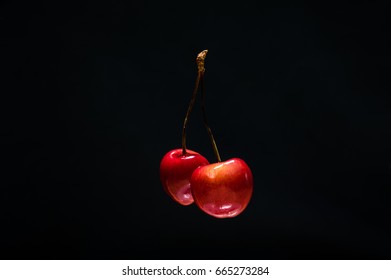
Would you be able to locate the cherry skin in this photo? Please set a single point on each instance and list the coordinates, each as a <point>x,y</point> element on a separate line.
<point>223,189</point>
<point>176,169</point>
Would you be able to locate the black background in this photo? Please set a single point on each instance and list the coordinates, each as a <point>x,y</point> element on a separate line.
<point>93,95</point>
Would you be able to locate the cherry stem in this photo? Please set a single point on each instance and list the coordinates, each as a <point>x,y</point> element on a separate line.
<point>201,56</point>
<point>212,139</point>
<point>200,78</point>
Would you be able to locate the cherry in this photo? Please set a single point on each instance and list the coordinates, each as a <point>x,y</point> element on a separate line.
<point>222,189</point>
<point>177,165</point>
<point>176,169</point>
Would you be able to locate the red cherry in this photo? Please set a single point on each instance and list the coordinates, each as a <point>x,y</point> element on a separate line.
<point>222,189</point>
<point>175,172</point>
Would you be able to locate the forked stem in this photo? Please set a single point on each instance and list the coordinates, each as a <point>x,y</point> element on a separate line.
<point>200,79</point>
<point>201,69</point>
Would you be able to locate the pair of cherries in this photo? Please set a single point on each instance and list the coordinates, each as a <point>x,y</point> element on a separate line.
<point>222,189</point>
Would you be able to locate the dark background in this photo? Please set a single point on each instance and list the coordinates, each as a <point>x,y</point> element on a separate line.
<point>93,95</point>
